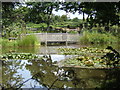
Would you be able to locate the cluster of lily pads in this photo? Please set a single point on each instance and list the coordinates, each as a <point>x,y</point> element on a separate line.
<point>87,57</point>
<point>82,51</point>
<point>85,61</point>
<point>23,56</point>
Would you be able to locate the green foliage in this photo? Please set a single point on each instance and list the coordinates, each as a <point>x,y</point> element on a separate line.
<point>13,30</point>
<point>24,56</point>
<point>29,40</point>
<point>87,62</point>
<point>39,12</point>
<point>73,32</point>
<point>64,24</point>
<point>7,43</point>
<point>88,57</point>
<point>7,13</point>
<point>32,25</point>
<point>64,17</point>
<point>75,19</point>
<point>82,51</point>
<point>98,38</point>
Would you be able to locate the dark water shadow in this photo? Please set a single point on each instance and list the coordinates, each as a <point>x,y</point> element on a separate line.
<point>41,73</point>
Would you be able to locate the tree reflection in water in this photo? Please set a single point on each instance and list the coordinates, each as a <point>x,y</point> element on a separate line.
<point>10,78</point>
<point>49,76</point>
<point>54,77</point>
<point>112,79</point>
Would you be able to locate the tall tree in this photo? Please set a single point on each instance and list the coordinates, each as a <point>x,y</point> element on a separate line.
<point>7,13</point>
<point>43,7</point>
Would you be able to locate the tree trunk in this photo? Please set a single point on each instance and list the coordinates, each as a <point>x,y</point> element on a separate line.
<point>88,18</point>
<point>48,23</point>
<point>83,16</point>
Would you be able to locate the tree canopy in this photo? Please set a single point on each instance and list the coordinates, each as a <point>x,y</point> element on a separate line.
<point>102,13</point>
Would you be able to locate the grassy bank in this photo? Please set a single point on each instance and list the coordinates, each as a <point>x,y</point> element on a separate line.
<point>26,41</point>
<point>98,38</point>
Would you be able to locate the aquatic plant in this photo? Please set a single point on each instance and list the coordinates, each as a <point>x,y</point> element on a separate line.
<point>91,57</point>
<point>23,56</point>
<point>29,40</point>
<point>82,51</point>
<point>88,62</point>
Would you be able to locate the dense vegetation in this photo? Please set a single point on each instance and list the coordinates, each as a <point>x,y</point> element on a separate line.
<point>25,41</point>
<point>102,26</point>
<point>83,51</point>
<point>30,17</point>
<point>41,12</point>
<point>91,57</point>
<point>16,56</point>
<point>98,38</point>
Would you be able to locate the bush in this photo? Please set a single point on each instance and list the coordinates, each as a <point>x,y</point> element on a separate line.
<point>7,43</point>
<point>29,40</point>
<point>32,25</point>
<point>97,38</point>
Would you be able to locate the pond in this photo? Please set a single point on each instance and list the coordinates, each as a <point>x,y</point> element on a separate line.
<point>37,50</point>
<point>51,49</point>
<point>42,72</point>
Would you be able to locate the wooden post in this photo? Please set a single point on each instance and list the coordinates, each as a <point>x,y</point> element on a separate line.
<point>46,43</point>
<point>66,38</point>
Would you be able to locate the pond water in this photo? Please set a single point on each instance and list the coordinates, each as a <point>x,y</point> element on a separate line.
<point>51,49</point>
<point>41,73</point>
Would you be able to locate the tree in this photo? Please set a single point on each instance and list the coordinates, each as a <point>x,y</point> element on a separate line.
<point>102,12</point>
<point>46,8</point>
<point>57,18</point>
<point>64,18</point>
<point>75,19</point>
<point>20,17</point>
<point>7,13</point>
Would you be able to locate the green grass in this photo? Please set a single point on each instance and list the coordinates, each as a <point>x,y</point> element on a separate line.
<point>29,40</point>
<point>98,38</point>
<point>7,43</point>
<point>26,41</point>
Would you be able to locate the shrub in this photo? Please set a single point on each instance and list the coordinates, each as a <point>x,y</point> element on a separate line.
<point>29,40</point>
<point>97,38</point>
<point>7,43</point>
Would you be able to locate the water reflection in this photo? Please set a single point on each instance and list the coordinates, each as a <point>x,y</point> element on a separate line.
<point>52,49</point>
<point>41,73</point>
<point>10,78</point>
<point>33,50</point>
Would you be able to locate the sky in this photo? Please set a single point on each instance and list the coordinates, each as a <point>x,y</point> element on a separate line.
<point>70,15</point>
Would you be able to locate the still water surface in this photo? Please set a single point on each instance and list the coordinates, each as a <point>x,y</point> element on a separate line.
<point>41,73</point>
<point>52,49</point>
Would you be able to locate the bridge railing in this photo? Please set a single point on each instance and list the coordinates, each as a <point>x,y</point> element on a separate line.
<point>57,37</point>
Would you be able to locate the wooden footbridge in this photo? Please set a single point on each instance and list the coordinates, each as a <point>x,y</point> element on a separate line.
<point>57,37</point>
